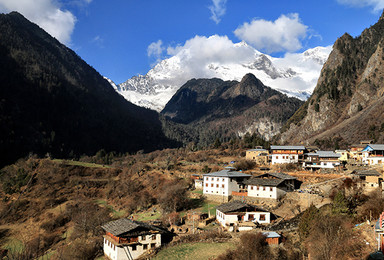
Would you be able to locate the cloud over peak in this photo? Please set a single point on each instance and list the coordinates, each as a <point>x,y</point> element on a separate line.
<point>218,9</point>
<point>283,34</point>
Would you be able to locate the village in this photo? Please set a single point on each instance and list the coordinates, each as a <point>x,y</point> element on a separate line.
<point>268,199</point>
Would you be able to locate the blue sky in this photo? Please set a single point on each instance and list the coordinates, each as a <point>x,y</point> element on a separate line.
<point>123,38</point>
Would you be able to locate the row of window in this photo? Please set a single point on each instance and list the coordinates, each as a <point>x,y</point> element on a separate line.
<point>259,188</point>
<point>285,157</point>
<point>212,179</point>
<point>212,185</point>
<point>108,243</point>
<point>206,191</point>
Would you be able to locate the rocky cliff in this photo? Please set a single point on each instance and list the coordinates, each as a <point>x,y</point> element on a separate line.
<point>219,109</point>
<point>347,104</point>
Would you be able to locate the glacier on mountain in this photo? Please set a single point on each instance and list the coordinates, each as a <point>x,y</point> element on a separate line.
<point>295,74</point>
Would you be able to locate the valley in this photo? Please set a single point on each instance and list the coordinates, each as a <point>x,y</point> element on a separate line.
<point>250,160</point>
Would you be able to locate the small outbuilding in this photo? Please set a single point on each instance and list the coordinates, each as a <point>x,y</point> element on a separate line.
<point>239,216</point>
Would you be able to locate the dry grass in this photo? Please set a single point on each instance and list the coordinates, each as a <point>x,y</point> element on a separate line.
<point>195,251</point>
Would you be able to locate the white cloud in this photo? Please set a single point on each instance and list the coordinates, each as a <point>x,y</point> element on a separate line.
<point>377,5</point>
<point>47,14</point>
<point>218,9</point>
<point>156,49</point>
<point>217,56</point>
<point>284,34</point>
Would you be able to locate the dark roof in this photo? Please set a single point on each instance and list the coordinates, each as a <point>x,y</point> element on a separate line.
<point>279,175</point>
<point>367,173</point>
<point>236,206</point>
<point>263,182</point>
<point>125,225</point>
<point>227,173</point>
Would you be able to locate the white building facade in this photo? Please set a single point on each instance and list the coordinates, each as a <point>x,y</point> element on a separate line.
<point>286,154</point>
<point>240,216</point>
<point>373,154</point>
<point>224,182</point>
<point>126,239</point>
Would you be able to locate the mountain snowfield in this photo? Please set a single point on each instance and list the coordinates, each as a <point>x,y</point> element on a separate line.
<point>294,74</point>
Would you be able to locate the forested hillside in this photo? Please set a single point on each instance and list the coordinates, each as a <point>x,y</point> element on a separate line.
<point>51,101</point>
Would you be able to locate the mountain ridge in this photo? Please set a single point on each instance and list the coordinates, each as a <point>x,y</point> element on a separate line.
<point>51,101</point>
<point>156,88</point>
<point>214,108</point>
<point>346,105</point>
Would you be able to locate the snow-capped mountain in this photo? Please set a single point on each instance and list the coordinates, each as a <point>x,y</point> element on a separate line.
<point>294,74</point>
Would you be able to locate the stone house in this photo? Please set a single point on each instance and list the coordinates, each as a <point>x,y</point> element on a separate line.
<point>370,179</point>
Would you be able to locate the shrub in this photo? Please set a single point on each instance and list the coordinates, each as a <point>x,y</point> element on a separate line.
<point>244,165</point>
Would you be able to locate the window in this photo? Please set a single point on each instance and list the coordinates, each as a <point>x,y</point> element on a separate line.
<point>134,248</point>
<point>153,245</point>
<point>257,188</point>
<point>251,187</point>
<point>212,179</point>
<point>270,189</point>
<point>206,185</point>
<point>262,217</point>
<point>211,184</point>
<point>142,237</point>
<point>263,188</point>
<point>222,185</point>
<point>145,247</point>
<point>218,179</point>
<point>277,157</point>
<point>223,179</point>
<point>153,237</point>
<point>217,185</point>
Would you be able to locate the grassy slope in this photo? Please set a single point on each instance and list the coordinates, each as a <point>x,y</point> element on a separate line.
<point>194,251</point>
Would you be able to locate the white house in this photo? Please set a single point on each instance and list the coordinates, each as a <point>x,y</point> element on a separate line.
<point>239,216</point>
<point>287,154</point>
<point>126,239</point>
<point>223,183</point>
<point>322,160</point>
<point>373,154</point>
<point>271,185</point>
